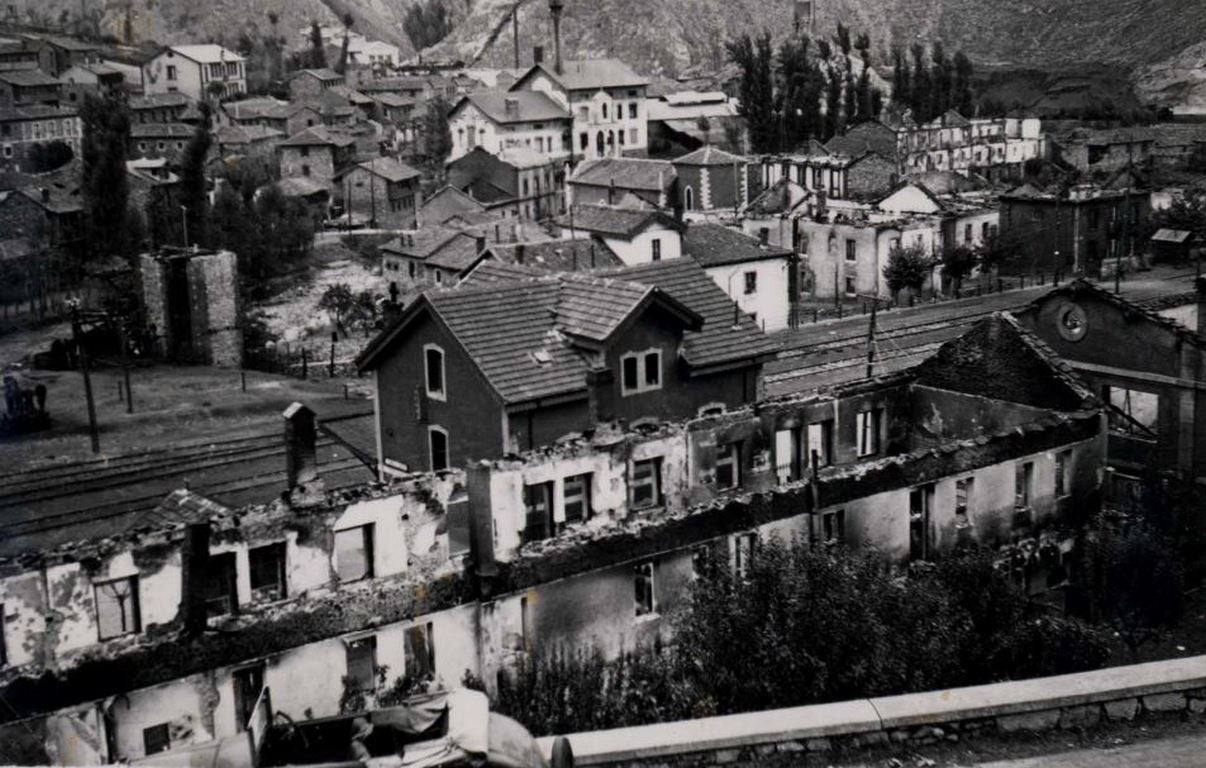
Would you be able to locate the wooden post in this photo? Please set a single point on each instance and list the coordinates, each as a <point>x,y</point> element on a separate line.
<point>331,366</point>
<point>243,381</point>
<point>83,353</point>
<point>305,363</point>
<point>871,342</point>
<point>125,366</point>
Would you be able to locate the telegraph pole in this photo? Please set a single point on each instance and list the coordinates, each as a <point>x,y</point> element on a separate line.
<point>83,351</point>
<point>871,339</point>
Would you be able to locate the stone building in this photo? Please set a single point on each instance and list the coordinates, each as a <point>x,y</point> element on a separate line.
<point>180,636</point>
<point>517,183</point>
<point>382,191</point>
<point>26,134</point>
<point>317,153</point>
<point>192,305</point>
<point>307,83</point>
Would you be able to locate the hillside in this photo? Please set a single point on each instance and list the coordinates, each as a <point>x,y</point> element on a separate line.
<point>667,36</point>
<point>190,21</point>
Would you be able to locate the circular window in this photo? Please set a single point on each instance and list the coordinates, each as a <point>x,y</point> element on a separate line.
<point>1073,322</point>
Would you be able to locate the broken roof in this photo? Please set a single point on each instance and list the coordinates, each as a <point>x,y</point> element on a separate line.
<point>1080,288</point>
<point>614,221</point>
<point>714,245</point>
<point>777,199</point>
<point>625,173</point>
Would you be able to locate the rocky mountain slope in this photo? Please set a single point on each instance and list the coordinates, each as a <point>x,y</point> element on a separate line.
<point>668,36</point>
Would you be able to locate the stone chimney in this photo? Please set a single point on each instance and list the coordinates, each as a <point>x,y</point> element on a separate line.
<point>511,107</point>
<point>480,242</point>
<point>301,455</point>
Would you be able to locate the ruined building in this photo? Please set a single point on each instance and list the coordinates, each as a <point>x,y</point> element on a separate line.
<point>192,305</point>
<point>176,638</point>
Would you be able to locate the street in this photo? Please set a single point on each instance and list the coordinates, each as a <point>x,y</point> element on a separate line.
<point>1180,752</point>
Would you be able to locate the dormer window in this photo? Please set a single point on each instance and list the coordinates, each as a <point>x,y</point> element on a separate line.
<point>433,359</point>
<point>641,371</point>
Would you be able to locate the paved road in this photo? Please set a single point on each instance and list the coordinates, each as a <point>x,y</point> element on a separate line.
<point>1181,752</point>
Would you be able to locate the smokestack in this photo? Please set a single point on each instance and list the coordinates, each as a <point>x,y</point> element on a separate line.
<point>555,7</point>
<point>301,455</point>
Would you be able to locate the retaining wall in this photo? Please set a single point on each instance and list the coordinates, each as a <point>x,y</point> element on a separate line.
<point>781,735</point>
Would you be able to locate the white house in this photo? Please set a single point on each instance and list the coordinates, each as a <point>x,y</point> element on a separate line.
<point>374,54</point>
<point>606,100</point>
<point>635,235</point>
<point>757,276</point>
<point>197,71</point>
<point>499,121</point>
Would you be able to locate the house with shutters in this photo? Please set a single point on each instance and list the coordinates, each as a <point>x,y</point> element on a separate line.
<point>605,99</point>
<point>518,119</point>
<point>636,234</point>
<point>507,363</point>
<point>197,71</point>
<point>383,191</point>
<point>758,277</point>
<point>517,182</point>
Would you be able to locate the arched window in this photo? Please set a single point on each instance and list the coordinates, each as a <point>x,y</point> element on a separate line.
<point>433,363</point>
<point>688,199</point>
<point>599,149</point>
<point>437,439</point>
<point>604,111</point>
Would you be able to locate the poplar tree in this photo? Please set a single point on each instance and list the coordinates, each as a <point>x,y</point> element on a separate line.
<point>963,97</point>
<point>755,57</point>
<point>103,182</point>
<point>318,54</point>
<point>193,182</point>
<point>919,94</point>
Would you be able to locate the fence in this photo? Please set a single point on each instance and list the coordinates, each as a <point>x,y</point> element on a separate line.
<point>301,361</point>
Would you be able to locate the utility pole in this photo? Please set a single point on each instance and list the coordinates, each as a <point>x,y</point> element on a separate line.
<point>125,364</point>
<point>871,339</point>
<point>83,352</point>
<point>184,221</point>
<point>373,190</point>
<point>515,32</point>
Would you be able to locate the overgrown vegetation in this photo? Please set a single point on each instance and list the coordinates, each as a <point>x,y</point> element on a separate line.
<point>907,267</point>
<point>427,23</point>
<point>805,625</point>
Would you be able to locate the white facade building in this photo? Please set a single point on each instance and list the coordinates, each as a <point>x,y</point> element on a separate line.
<point>501,121</point>
<point>197,71</point>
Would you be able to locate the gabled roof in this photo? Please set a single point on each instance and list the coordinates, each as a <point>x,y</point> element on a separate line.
<point>160,131</point>
<point>555,255</point>
<point>1000,359</point>
<point>626,173</point>
<point>710,156</point>
<point>1080,288</point>
<point>1178,236</point>
<point>516,332</point>
<point>453,249</point>
<point>720,341</point>
<point>458,199</point>
<point>776,199</point>
<point>27,78</point>
<point>714,245</point>
<point>325,74</point>
<point>159,101</point>
<point>588,74</point>
<point>867,136</point>
<point>246,134</point>
<point>525,106</point>
<point>613,221</point>
<point>318,135</point>
<point>386,167</point>
<point>206,53</point>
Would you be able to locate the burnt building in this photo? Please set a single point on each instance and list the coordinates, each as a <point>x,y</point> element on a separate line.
<point>1148,369</point>
<point>192,305</point>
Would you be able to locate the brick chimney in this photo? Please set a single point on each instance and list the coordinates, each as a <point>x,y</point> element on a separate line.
<point>301,455</point>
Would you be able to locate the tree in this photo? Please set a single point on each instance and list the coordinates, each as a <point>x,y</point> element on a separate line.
<point>437,136</point>
<point>427,23</point>
<point>866,109</point>
<point>754,58</point>
<point>996,249</point>
<point>797,94</point>
<point>103,183</point>
<point>193,182</point>
<point>940,81</point>
<point>317,53</point>
<point>342,66</point>
<point>833,102</point>
<point>1186,212</point>
<point>338,301</point>
<point>920,92</point>
<point>962,96</point>
<point>1134,580</point>
<point>907,267</point>
<point>49,155</point>
<point>958,263</point>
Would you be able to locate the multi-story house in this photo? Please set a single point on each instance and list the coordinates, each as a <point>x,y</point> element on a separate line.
<point>1106,150</point>
<point>711,183</point>
<point>829,175</point>
<point>497,121</point>
<point>289,117</point>
<point>1073,229</point>
<point>93,77</point>
<point>308,83</point>
<point>637,235</point>
<point>846,257</point>
<point>996,148</point>
<point>517,182</point>
<point>609,180</point>
<point>758,277</point>
<point>495,367</point>
<point>605,100</point>
<point>381,191</point>
<point>27,87</point>
<point>27,132</point>
<point>155,140</point>
<point>159,108</point>
<point>183,636</point>
<point>317,153</point>
<point>435,256</point>
<point>201,72</point>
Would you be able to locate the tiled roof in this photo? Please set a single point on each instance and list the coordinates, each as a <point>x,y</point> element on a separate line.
<point>1082,287</point>
<point>325,74</point>
<point>557,255</point>
<point>159,101</point>
<point>206,53</point>
<point>720,340</point>
<point>523,157</point>
<point>626,173</point>
<point>869,136</point>
<point>160,130</point>
<point>709,155</point>
<point>593,74</point>
<point>1171,236</point>
<point>34,112</point>
<point>299,186</point>
<point>527,106</point>
<point>515,331</point>
<point>27,77</point>
<point>777,198</point>
<point>446,248</point>
<point>246,134</point>
<point>387,168</point>
<point>714,245</point>
<point>610,220</point>
<point>316,136</point>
